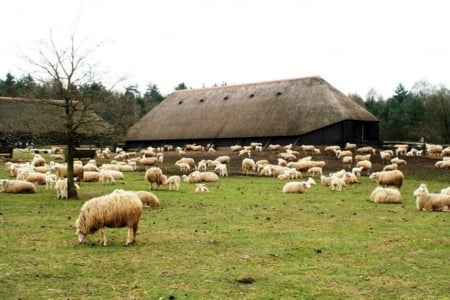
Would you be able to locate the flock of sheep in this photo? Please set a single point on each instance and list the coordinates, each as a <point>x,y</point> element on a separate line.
<point>124,208</point>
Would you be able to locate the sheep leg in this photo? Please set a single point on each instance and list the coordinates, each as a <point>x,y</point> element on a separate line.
<point>104,241</point>
<point>131,235</point>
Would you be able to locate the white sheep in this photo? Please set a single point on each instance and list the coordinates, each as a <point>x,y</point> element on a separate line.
<point>442,164</point>
<point>188,160</point>
<point>154,176</point>
<point>248,166</point>
<point>347,162</point>
<point>117,209</point>
<point>390,167</point>
<point>91,176</point>
<point>366,150</point>
<point>36,178</point>
<point>17,186</point>
<point>197,176</point>
<point>366,165</point>
<point>201,188</point>
<point>386,178</point>
<point>357,171</point>
<point>314,171</point>
<point>148,199</point>
<point>50,180</point>
<point>221,169</point>
<point>398,161</point>
<point>61,188</point>
<point>431,201</point>
<point>173,181</point>
<point>202,166</point>
<point>386,155</point>
<point>224,159</point>
<point>385,195</point>
<point>336,183</point>
<point>297,186</point>
<point>106,176</point>
<point>445,191</point>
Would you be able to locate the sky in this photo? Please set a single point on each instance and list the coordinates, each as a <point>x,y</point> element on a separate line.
<point>355,45</point>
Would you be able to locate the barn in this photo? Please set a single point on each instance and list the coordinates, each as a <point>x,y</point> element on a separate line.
<point>40,122</point>
<point>299,111</point>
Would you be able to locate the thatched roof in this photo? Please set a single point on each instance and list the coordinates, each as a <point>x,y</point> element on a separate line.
<point>19,115</point>
<point>276,108</point>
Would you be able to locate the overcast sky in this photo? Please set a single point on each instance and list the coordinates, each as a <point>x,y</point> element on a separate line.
<point>354,45</point>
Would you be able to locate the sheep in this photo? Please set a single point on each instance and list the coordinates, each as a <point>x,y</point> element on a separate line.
<point>235,148</point>
<point>366,150</point>
<point>431,201</point>
<point>62,189</point>
<point>61,171</point>
<point>197,176</point>
<point>326,180</point>
<point>297,186</point>
<point>17,186</point>
<point>154,176</point>
<point>224,159</point>
<point>386,155</point>
<point>275,147</point>
<point>38,160</point>
<point>282,162</point>
<point>390,167</point>
<point>347,162</point>
<point>190,161</point>
<point>398,161</point>
<point>314,171</point>
<point>332,149</point>
<point>248,165</point>
<point>212,163</point>
<point>308,149</point>
<point>360,157</point>
<point>245,152</point>
<point>434,150</point>
<point>445,191</point>
<point>173,181</point>
<point>202,166</point>
<point>90,167</point>
<point>357,171</point>
<point>149,161</point>
<point>341,153</point>
<point>36,178</point>
<point>350,178</point>
<point>287,156</point>
<point>50,180</point>
<point>336,183</point>
<point>366,165</point>
<point>442,164</point>
<point>117,209</point>
<point>350,146</point>
<point>386,178</point>
<point>401,149</point>
<point>91,176</point>
<point>201,188</point>
<point>106,176</point>
<point>148,199</point>
<point>385,195</point>
<point>221,169</point>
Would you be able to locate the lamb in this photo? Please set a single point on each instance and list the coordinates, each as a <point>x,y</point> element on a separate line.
<point>106,176</point>
<point>224,159</point>
<point>248,165</point>
<point>347,162</point>
<point>336,183</point>
<point>17,186</point>
<point>445,191</point>
<point>431,201</point>
<point>202,166</point>
<point>148,199</point>
<point>118,209</point>
<point>386,178</point>
<point>173,181</point>
<point>154,176</point>
<point>357,171</point>
<point>297,186</point>
<point>221,169</point>
<point>61,188</point>
<point>50,180</point>
<point>385,195</point>
<point>183,166</point>
<point>314,171</point>
<point>201,188</point>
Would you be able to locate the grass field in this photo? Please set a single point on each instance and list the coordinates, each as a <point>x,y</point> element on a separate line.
<point>244,240</point>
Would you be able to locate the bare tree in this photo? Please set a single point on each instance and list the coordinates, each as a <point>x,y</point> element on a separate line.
<point>69,68</point>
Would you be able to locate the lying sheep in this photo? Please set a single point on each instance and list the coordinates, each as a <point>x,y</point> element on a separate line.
<point>201,188</point>
<point>385,195</point>
<point>298,186</point>
<point>431,201</point>
<point>148,199</point>
<point>386,178</point>
<point>91,176</point>
<point>36,178</point>
<point>117,209</point>
<point>197,176</point>
<point>154,176</point>
<point>17,186</point>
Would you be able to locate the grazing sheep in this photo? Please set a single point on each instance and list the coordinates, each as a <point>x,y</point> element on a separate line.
<point>431,201</point>
<point>390,167</point>
<point>118,209</point>
<point>360,157</point>
<point>366,165</point>
<point>91,176</point>
<point>188,160</point>
<point>17,186</point>
<point>398,161</point>
<point>442,164</point>
<point>248,166</point>
<point>341,153</point>
<point>202,166</point>
<point>106,176</point>
<point>434,150</point>
<point>148,199</point>
<point>386,178</point>
<point>50,180</point>
<point>347,162</point>
<point>336,183</point>
<point>224,159</point>
<point>154,176</point>
<point>386,155</point>
<point>201,188</point>
<point>173,181</point>
<point>314,171</point>
<point>385,195</point>
<point>332,149</point>
<point>366,150</point>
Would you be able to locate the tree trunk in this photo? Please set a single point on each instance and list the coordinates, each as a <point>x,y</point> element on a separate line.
<point>71,191</point>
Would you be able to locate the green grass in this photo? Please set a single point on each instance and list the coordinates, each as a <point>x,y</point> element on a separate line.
<point>318,245</point>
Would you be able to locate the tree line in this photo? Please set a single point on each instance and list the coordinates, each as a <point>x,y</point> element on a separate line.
<point>420,114</point>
